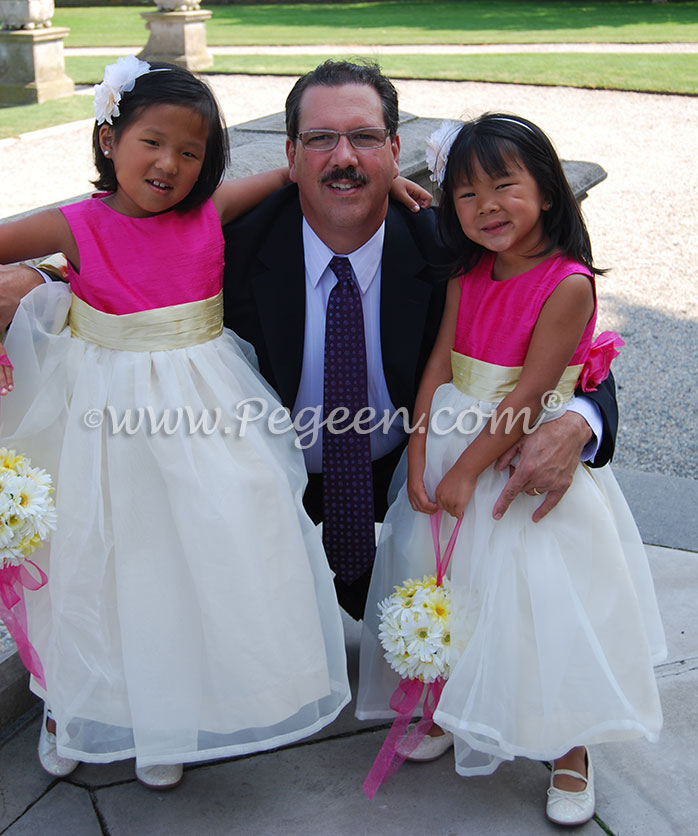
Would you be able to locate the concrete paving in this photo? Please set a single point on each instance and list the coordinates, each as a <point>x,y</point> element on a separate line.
<point>313,788</point>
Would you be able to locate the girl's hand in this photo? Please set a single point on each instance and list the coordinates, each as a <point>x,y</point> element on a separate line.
<point>413,196</point>
<point>417,494</point>
<point>416,464</point>
<point>6,379</point>
<point>454,491</point>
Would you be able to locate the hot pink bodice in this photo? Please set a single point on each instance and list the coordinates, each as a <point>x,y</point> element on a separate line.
<point>136,264</point>
<point>496,319</point>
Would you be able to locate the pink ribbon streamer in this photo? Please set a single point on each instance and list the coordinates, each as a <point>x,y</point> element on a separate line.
<point>442,562</point>
<point>396,747</point>
<point>13,612</point>
<point>404,700</point>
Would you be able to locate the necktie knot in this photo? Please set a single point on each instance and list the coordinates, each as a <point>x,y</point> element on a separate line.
<point>341,267</point>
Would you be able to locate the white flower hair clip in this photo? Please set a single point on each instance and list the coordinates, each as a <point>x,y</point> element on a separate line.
<point>438,147</point>
<point>119,78</point>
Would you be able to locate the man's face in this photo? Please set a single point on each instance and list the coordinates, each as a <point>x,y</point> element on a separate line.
<point>343,192</point>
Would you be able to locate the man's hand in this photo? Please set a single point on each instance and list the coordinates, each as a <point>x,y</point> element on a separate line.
<point>548,458</point>
<point>16,280</point>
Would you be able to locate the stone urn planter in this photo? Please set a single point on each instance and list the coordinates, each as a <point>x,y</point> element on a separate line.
<point>178,5</point>
<point>26,14</point>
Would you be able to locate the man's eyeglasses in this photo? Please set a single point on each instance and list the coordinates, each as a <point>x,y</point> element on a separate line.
<point>362,138</point>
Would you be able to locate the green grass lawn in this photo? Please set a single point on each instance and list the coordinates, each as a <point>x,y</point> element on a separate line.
<point>658,73</point>
<point>19,119</point>
<point>462,21</point>
<point>673,73</point>
<point>398,22</point>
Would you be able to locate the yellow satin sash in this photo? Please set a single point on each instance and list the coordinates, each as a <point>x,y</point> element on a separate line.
<point>492,383</point>
<point>160,329</point>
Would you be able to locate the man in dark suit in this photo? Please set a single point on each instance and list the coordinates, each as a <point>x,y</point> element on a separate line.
<point>343,152</point>
<point>277,282</point>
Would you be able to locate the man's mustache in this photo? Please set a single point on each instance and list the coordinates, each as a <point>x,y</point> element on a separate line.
<point>350,174</point>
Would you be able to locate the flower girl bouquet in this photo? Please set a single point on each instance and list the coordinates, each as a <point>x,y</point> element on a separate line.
<point>415,634</point>
<point>27,516</point>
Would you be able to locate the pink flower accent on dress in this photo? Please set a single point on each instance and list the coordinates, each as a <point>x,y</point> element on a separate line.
<point>598,364</point>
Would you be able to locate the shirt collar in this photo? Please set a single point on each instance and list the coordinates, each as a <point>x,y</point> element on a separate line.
<point>364,262</point>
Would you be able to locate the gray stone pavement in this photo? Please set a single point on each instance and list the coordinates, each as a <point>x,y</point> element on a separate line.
<point>313,788</point>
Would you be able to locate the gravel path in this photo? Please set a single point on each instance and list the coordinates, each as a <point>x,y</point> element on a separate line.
<point>642,219</point>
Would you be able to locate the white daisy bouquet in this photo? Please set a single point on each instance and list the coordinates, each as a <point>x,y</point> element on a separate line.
<point>27,512</point>
<point>27,517</point>
<point>415,629</point>
<point>415,634</point>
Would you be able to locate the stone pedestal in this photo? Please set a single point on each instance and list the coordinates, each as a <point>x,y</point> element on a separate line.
<point>32,66</point>
<point>178,38</point>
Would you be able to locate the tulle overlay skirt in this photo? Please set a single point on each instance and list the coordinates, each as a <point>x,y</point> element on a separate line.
<point>190,612</point>
<point>556,622</point>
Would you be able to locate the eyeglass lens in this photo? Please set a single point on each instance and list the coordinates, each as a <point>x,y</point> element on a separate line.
<point>361,138</point>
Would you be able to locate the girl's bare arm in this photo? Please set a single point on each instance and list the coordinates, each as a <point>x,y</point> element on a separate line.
<point>436,372</point>
<point>42,233</point>
<point>235,197</point>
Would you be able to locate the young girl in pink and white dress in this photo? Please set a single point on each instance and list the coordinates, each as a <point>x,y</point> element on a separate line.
<point>190,612</point>
<point>555,623</point>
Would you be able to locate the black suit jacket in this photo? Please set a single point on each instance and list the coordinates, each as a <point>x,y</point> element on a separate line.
<point>264,297</point>
<point>264,293</point>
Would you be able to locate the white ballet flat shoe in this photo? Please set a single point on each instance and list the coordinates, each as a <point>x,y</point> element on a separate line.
<point>571,808</point>
<point>431,748</point>
<point>49,758</point>
<point>160,776</point>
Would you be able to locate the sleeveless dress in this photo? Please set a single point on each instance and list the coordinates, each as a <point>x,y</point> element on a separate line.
<point>556,623</point>
<point>190,612</point>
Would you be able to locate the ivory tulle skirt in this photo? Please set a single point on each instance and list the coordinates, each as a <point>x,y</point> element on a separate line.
<point>190,612</point>
<point>556,622</point>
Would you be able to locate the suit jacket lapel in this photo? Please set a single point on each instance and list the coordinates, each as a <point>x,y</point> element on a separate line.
<point>279,291</point>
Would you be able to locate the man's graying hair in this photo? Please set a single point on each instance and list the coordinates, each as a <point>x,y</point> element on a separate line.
<point>335,74</point>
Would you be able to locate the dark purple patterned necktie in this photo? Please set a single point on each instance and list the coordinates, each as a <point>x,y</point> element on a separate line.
<point>347,477</point>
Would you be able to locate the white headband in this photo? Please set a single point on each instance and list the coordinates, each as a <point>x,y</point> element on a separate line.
<point>507,119</point>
